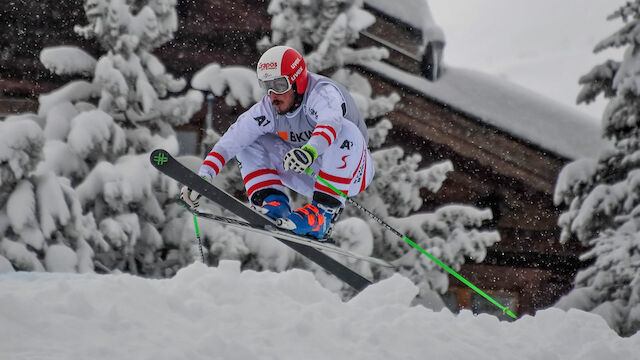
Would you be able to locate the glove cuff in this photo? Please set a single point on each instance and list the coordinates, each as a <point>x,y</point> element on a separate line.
<point>308,148</point>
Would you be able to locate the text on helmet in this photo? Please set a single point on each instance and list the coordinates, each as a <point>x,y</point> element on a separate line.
<point>295,63</point>
<point>268,66</point>
<point>296,74</point>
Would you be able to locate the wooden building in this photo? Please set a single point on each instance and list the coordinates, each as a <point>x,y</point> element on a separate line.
<point>494,167</point>
<point>497,164</point>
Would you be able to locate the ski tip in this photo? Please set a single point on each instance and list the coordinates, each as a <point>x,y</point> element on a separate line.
<point>159,157</point>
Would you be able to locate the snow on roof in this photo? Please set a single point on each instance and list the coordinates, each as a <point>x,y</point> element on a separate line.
<point>410,11</point>
<point>415,13</point>
<point>516,110</point>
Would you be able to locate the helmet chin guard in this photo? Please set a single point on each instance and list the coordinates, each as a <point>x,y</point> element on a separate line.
<point>282,61</point>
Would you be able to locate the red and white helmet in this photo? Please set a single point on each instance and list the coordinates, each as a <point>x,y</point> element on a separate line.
<point>279,68</point>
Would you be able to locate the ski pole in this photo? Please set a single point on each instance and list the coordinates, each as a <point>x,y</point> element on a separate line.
<point>195,224</point>
<point>505,310</point>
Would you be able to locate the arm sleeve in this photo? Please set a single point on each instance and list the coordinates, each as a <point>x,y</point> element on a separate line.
<point>326,106</point>
<point>252,124</point>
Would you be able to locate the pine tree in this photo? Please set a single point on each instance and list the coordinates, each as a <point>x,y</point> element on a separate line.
<point>99,129</point>
<point>42,224</point>
<point>602,193</point>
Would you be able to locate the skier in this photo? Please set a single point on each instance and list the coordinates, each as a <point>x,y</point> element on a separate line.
<point>304,121</point>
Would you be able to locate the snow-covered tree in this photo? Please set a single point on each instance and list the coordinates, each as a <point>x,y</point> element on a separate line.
<point>42,224</point>
<point>602,194</point>
<point>323,31</point>
<point>327,27</point>
<point>98,131</point>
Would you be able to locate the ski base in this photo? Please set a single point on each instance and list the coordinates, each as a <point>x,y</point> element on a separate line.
<point>326,245</point>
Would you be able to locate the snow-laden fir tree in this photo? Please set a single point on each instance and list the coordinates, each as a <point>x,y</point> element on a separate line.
<point>98,130</point>
<point>603,194</point>
<point>42,225</point>
<point>326,29</point>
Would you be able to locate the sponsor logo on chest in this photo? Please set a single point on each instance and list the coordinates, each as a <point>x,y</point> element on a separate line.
<point>298,137</point>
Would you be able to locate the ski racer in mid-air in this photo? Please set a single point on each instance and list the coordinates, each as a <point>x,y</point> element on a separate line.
<point>304,121</point>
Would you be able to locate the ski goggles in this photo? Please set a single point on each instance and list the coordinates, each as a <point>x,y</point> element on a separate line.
<point>279,85</point>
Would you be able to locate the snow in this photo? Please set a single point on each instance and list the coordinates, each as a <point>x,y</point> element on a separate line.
<point>571,177</point>
<point>413,12</point>
<point>507,106</point>
<point>5,265</point>
<point>17,253</point>
<point>241,83</point>
<point>222,313</point>
<point>20,140</point>
<point>58,121</point>
<point>273,255</point>
<point>73,91</point>
<point>60,158</point>
<point>67,60</point>
<point>359,19</point>
<point>21,207</point>
<point>95,129</point>
<point>53,210</point>
<point>61,258</point>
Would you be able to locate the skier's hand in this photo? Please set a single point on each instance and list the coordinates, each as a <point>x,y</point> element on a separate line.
<point>299,159</point>
<point>191,197</point>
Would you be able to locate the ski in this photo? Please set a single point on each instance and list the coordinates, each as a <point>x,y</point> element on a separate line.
<point>168,165</point>
<point>287,235</point>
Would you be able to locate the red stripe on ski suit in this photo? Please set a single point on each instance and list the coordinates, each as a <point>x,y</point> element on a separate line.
<point>212,165</point>
<point>218,156</point>
<point>261,185</point>
<point>257,173</point>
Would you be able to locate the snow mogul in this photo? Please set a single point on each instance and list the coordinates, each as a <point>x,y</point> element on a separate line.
<point>305,120</point>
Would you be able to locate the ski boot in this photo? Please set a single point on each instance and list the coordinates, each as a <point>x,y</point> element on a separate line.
<point>275,206</point>
<point>314,220</point>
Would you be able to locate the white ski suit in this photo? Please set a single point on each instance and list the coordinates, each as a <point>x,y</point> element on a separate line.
<point>327,119</point>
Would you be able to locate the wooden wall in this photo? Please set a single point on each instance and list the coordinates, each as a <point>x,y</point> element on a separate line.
<point>497,171</point>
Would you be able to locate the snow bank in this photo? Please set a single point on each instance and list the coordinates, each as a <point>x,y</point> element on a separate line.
<point>222,313</point>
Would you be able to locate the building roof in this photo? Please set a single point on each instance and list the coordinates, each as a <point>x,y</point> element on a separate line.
<point>516,110</point>
<point>415,13</point>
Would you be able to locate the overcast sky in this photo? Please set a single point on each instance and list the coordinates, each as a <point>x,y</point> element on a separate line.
<point>545,45</point>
